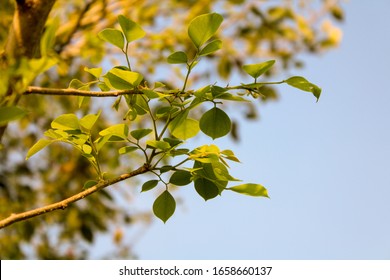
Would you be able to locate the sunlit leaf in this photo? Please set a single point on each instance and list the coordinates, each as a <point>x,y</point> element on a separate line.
<point>66,122</point>
<point>164,206</point>
<point>123,79</point>
<point>211,47</point>
<point>88,121</point>
<point>41,144</point>
<point>96,72</point>
<point>203,27</point>
<point>250,189</point>
<point>120,131</point>
<point>186,129</point>
<point>256,70</point>
<point>113,36</point>
<point>158,144</point>
<point>303,84</point>
<point>131,29</point>
<point>182,127</point>
<point>75,83</point>
<point>178,58</point>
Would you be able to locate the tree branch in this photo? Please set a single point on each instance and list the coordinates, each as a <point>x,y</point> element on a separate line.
<point>77,92</point>
<point>13,218</point>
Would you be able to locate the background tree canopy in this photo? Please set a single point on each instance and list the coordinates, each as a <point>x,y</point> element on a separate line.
<point>251,31</point>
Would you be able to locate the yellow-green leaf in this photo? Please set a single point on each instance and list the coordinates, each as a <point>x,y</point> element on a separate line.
<point>131,29</point>
<point>113,36</point>
<point>41,144</point>
<point>256,70</point>
<point>203,27</point>
<point>250,189</point>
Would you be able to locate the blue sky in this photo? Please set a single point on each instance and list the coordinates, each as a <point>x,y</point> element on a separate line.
<point>326,166</point>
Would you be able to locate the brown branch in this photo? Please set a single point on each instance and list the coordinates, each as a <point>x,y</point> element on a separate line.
<point>75,28</point>
<point>13,218</point>
<point>77,92</point>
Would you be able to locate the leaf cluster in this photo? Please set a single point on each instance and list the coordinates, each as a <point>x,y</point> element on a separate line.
<point>171,113</point>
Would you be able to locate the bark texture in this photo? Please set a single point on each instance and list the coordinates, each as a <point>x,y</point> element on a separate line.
<point>24,39</point>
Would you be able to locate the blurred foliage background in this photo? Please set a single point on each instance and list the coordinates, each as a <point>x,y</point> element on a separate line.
<point>252,31</point>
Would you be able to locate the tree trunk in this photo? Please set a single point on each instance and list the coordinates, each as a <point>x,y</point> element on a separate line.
<point>24,38</point>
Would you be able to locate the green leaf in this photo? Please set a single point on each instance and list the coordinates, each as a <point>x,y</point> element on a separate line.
<point>158,145</point>
<point>303,84</point>
<point>66,122</point>
<point>140,133</point>
<point>183,128</point>
<point>188,128</point>
<point>122,79</point>
<point>256,70</point>
<point>165,111</point>
<point>127,149</point>
<point>113,36</point>
<point>11,113</point>
<point>41,144</point>
<point>96,72</point>
<point>88,121</point>
<point>211,47</point>
<point>87,149</point>
<point>166,168</point>
<point>173,142</point>
<point>77,84</point>
<point>228,154</point>
<point>89,184</point>
<point>206,188</point>
<point>203,27</point>
<point>215,123</point>
<point>178,58</point>
<point>149,185</point>
<point>116,131</point>
<point>207,171</point>
<point>164,206</point>
<point>131,29</point>
<point>250,189</point>
<point>104,87</point>
<point>181,178</point>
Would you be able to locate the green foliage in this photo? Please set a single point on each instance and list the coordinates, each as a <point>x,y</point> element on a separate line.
<point>303,84</point>
<point>131,30</point>
<point>256,70</point>
<point>250,189</point>
<point>283,31</point>
<point>113,36</point>
<point>178,58</point>
<point>164,206</point>
<point>203,27</point>
<point>215,123</point>
<point>209,172</point>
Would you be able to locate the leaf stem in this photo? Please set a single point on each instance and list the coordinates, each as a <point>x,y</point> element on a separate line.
<point>127,56</point>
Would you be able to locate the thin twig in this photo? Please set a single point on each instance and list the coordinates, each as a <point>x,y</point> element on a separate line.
<point>13,218</point>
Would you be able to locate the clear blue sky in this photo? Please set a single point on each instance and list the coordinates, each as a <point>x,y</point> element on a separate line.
<point>326,166</point>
